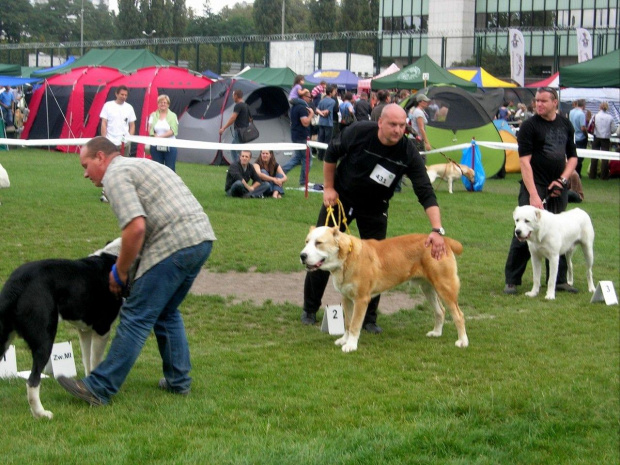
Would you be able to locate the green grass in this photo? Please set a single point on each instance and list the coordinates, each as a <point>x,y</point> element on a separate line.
<point>539,383</point>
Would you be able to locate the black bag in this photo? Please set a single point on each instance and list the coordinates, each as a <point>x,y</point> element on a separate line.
<point>248,134</point>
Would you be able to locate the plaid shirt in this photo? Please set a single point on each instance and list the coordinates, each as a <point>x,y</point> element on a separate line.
<point>174,218</point>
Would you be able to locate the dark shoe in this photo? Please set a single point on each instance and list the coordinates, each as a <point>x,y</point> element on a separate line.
<point>510,289</point>
<point>372,328</point>
<point>163,385</point>
<point>308,318</point>
<point>78,389</point>
<point>565,287</point>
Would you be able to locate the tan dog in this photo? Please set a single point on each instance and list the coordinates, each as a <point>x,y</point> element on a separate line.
<point>362,269</point>
<point>449,172</point>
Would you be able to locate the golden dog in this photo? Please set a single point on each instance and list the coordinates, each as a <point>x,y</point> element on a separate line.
<point>362,269</point>
<point>449,172</point>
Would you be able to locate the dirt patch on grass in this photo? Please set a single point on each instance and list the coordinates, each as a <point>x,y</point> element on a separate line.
<point>281,288</point>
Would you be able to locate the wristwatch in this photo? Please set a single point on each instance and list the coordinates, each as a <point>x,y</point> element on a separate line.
<point>564,181</point>
<point>439,231</point>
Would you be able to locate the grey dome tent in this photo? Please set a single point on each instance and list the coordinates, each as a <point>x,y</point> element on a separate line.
<point>210,110</point>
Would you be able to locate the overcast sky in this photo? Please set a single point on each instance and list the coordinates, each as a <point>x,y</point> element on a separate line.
<point>196,5</point>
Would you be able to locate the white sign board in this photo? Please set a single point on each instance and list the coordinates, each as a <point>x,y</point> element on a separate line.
<point>333,320</point>
<point>8,364</point>
<point>605,292</point>
<point>298,55</point>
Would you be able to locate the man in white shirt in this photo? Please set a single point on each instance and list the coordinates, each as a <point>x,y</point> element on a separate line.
<point>118,117</point>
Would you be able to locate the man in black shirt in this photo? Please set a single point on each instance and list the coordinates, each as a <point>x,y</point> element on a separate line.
<point>362,168</point>
<point>548,157</point>
<point>241,120</point>
<point>362,108</point>
<point>239,176</point>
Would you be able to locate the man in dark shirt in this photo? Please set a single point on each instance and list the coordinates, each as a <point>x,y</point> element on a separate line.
<point>301,117</point>
<point>383,97</point>
<point>239,176</point>
<point>548,157</point>
<point>362,108</point>
<point>362,168</point>
<point>240,119</point>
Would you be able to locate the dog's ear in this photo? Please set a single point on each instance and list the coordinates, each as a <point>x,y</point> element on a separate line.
<point>538,213</point>
<point>336,231</point>
<point>312,228</point>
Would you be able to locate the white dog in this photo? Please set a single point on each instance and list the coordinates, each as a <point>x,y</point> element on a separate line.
<point>449,172</point>
<point>549,236</point>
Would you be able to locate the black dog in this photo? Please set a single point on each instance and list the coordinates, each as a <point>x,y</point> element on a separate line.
<point>38,294</point>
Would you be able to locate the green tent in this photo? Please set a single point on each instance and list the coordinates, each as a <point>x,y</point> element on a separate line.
<point>412,77</point>
<point>603,71</point>
<point>126,61</point>
<point>10,70</point>
<point>281,77</point>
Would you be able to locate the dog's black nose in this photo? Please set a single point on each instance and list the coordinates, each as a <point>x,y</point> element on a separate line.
<point>518,232</point>
<point>303,257</point>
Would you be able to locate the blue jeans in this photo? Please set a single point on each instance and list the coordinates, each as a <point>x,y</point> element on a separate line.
<point>235,140</point>
<point>273,186</point>
<point>298,158</point>
<point>168,158</point>
<point>237,189</point>
<point>153,305</point>
<point>325,136</point>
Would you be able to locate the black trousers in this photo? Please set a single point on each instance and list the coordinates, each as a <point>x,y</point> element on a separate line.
<point>519,253</point>
<point>371,225</point>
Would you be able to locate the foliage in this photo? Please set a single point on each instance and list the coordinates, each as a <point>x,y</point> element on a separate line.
<point>496,62</point>
<point>538,384</point>
<point>130,22</point>
<point>14,19</point>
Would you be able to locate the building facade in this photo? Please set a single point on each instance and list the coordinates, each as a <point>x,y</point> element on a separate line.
<point>456,30</point>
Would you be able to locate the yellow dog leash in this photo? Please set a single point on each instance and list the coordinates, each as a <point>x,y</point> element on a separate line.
<point>342,217</point>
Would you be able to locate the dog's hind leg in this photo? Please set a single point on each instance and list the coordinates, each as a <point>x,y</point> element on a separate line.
<point>97,348</point>
<point>570,277</point>
<point>450,181</point>
<point>85,346</point>
<point>440,312</point>
<point>40,356</point>
<point>588,254</point>
<point>448,292</point>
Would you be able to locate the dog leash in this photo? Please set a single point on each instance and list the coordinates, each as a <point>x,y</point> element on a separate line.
<point>342,217</point>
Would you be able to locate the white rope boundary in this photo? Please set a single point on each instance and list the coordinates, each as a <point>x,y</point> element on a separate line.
<point>276,146</point>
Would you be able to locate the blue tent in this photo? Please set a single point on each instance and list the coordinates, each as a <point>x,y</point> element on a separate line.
<point>343,79</point>
<point>16,81</point>
<point>211,75</point>
<point>43,73</point>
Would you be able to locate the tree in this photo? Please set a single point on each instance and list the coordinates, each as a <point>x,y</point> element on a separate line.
<point>268,16</point>
<point>13,24</point>
<point>179,17</point>
<point>129,23</point>
<point>323,15</point>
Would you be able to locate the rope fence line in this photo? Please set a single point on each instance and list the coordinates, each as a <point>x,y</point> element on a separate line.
<point>275,146</point>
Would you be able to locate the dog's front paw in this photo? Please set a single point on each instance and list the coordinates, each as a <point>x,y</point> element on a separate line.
<point>462,343</point>
<point>349,347</point>
<point>550,296</point>
<point>341,341</point>
<point>433,333</point>
<point>43,414</point>
<point>531,293</point>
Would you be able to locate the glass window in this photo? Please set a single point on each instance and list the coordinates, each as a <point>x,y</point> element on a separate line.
<point>563,4</point>
<point>481,21</point>
<point>575,20</point>
<point>602,20</point>
<point>503,5</point>
<point>588,18</point>
<point>613,18</point>
<point>538,19</point>
<point>515,19</point>
<point>387,24</point>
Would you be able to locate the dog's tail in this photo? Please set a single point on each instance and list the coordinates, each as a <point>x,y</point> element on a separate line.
<point>432,175</point>
<point>455,246</point>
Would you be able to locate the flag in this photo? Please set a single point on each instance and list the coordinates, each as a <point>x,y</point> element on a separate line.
<point>584,45</point>
<point>517,56</point>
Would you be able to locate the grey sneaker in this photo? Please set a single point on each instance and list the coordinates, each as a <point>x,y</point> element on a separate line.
<point>372,328</point>
<point>308,318</point>
<point>510,289</point>
<point>565,287</point>
<point>163,385</point>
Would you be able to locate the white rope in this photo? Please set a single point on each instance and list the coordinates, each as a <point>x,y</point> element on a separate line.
<point>276,146</point>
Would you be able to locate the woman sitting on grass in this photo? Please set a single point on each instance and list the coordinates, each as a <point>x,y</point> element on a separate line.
<point>270,171</point>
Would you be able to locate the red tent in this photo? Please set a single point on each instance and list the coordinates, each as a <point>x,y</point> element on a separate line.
<point>551,81</point>
<point>145,85</point>
<point>59,108</point>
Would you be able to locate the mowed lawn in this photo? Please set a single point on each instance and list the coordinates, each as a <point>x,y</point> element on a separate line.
<point>539,383</point>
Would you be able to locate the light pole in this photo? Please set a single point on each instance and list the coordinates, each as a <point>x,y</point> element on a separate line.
<point>82,31</point>
<point>283,9</point>
<point>149,34</point>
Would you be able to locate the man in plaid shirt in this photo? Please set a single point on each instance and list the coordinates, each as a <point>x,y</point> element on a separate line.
<point>163,222</point>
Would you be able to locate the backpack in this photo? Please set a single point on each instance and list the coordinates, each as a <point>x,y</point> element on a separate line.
<point>348,116</point>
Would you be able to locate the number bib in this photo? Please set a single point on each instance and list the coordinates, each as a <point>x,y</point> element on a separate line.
<point>382,176</point>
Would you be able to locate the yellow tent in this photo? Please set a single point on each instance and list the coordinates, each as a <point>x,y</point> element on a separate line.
<point>480,76</point>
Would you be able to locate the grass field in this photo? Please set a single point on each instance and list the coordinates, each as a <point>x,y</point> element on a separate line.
<point>539,383</point>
